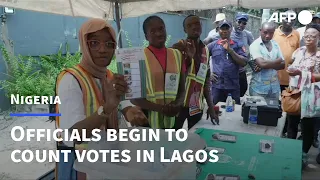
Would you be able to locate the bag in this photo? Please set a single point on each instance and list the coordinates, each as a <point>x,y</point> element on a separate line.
<point>310,101</point>
<point>291,101</point>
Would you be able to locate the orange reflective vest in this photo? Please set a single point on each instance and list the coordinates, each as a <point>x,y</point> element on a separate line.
<point>193,80</point>
<point>92,96</point>
<point>92,99</point>
<point>156,81</point>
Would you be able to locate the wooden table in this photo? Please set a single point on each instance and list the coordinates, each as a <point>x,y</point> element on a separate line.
<point>235,124</point>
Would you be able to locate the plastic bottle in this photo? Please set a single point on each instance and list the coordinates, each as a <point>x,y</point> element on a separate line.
<point>229,107</point>
<point>253,115</point>
<point>229,103</point>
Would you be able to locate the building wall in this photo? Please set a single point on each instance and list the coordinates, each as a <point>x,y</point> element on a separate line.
<point>35,34</point>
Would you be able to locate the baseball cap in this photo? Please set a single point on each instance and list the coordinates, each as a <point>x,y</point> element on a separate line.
<point>220,17</point>
<point>242,15</point>
<point>225,22</point>
<point>317,15</point>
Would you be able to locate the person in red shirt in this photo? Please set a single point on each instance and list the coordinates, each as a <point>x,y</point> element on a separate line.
<point>165,79</point>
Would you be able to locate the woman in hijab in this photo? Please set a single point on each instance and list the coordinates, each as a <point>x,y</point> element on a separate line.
<point>90,94</point>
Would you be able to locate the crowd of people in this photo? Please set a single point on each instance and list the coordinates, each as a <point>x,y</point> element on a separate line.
<point>198,70</point>
<point>269,57</point>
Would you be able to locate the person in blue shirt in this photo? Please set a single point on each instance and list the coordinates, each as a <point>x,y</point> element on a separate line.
<point>244,36</point>
<point>241,35</point>
<point>266,59</point>
<point>227,56</point>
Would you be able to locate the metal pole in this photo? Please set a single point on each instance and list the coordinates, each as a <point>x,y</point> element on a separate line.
<point>118,20</point>
<point>265,15</point>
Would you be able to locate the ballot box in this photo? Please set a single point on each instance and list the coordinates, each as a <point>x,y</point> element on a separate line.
<point>269,111</point>
<point>134,170</point>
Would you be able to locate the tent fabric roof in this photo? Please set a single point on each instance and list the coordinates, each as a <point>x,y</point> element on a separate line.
<point>133,8</point>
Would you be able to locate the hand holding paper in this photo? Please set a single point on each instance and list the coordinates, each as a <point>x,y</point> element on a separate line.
<point>116,88</point>
<point>120,85</point>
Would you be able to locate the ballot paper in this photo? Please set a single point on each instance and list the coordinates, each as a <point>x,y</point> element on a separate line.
<point>131,64</point>
<point>222,177</point>
<point>220,150</point>
<point>224,137</point>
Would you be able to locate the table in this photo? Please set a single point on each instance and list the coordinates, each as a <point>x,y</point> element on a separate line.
<point>235,123</point>
<point>243,157</point>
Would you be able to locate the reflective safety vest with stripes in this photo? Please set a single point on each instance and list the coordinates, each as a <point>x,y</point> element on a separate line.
<point>155,84</point>
<point>92,96</point>
<point>193,80</point>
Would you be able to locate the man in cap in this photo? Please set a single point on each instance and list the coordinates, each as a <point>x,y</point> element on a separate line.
<point>214,33</point>
<point>227,55</point>
<point>244,36</point>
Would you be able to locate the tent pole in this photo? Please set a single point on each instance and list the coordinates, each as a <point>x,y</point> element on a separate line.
<point>118,20</point>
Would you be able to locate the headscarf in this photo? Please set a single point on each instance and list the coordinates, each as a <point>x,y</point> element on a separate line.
<point>91,26</point>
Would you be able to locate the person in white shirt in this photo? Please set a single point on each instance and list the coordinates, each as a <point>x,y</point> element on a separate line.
<point>90,94</point>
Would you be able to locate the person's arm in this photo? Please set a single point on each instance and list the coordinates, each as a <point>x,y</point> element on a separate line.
<point>147,105</point>
<point>238,55</point>
<point>316,77</point>
<point>282,64</point>
<point>72,109</point>
<point>181,90</point>
<point>211,38</point>
<point>207,40</point>
<point>207,91</point>
<point>267,64</point>
<point>262,63</point>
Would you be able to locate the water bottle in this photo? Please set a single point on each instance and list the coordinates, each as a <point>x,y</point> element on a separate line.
<point>229,107</point>
<point>229,103</point>
<point>253,115</point>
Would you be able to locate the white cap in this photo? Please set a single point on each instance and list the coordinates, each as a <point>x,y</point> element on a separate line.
<point>220,17</point>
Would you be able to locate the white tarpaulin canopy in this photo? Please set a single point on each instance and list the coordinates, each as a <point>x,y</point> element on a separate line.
<point>117,9</point>
<point>133,8</point>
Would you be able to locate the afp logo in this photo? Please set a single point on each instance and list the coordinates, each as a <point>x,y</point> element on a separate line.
<point>304,17</point>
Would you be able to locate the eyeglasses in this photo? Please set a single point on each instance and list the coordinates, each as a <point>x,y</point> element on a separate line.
<point>96,45</point>
<point>242,22</point>
<point>310,37</point>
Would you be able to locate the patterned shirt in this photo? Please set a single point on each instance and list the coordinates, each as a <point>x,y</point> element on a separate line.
<point>266,80</point>
<point>311,64</point>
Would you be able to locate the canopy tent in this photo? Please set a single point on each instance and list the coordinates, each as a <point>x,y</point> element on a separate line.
<point>117,9</point>
<point>133,8</point>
